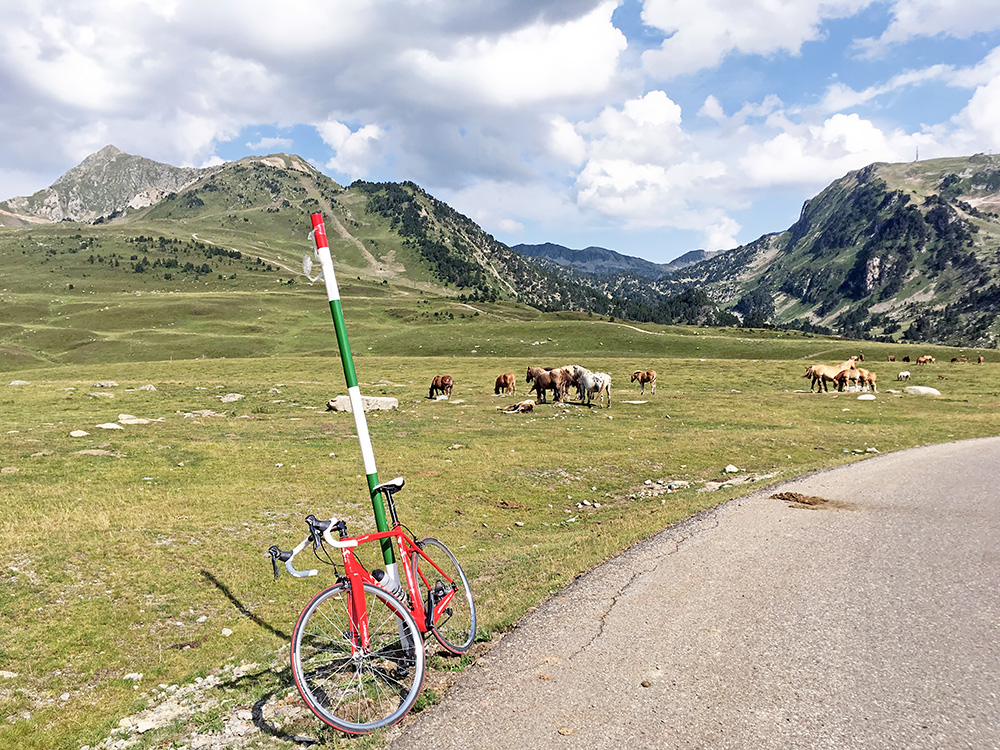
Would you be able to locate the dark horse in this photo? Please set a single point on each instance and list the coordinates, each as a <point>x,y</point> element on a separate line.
<point>441,384</point>
<point>543,379</point>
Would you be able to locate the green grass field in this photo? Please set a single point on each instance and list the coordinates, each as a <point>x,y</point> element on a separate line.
<point>131,552</point>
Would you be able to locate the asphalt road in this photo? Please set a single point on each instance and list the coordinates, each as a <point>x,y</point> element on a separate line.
<point>871,621</point>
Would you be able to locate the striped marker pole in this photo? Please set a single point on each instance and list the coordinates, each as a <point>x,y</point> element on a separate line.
<point>353,391</point>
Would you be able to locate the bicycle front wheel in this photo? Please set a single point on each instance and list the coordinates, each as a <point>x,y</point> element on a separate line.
<point>455,626</point>
<point>357,690</point>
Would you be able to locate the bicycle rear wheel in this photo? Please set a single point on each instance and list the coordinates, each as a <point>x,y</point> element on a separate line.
<point>455,626</point>
<point>357,691</point>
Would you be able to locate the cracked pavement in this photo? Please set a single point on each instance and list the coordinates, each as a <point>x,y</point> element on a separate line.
<point>870,621</point>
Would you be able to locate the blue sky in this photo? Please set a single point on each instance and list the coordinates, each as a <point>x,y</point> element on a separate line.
<point>651,127</point>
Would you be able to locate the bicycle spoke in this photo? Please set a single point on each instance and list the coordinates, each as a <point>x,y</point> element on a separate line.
<point>349,688</point>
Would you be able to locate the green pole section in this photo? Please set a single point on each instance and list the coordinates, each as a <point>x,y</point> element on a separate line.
<point>353,391</point>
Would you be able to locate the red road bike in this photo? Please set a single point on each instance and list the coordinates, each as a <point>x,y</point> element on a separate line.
<point>358,649</point>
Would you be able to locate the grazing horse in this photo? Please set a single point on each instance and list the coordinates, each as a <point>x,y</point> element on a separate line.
<point>924,359</point>
<point>903,375</point>
<point>892,357</point>
<point>649,376</point>
<point>822,374</point>
<point>505,384</point>
<point>441,384</point>
<point>848,376</point>
<point>554,380</point>
<point>981,360</point>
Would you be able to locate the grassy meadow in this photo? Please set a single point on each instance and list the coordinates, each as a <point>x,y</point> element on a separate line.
<point>133,565</point>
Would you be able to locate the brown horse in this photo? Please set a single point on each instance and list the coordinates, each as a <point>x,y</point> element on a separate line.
<point>505,384</point>
<point>649,376</point>
<point>544,380</point>
<point>441,384</point>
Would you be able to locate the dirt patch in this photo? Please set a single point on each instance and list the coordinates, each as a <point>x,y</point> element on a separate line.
<point>812,502</point>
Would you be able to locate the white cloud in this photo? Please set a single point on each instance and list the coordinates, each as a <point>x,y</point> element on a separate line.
<point>700,35</point>
<point>271,145</point>
<point>976,125</point>
<point>712,109</point>
<point>538,63</point>
<point>355,152</point>
<point>810,156</point>
<point>722,235</point>
<point>565,144</point>
<point>922,18</point>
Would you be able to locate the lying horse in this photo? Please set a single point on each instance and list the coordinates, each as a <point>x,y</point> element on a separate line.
<point>544,380</point>
<point>441,384</point>
<point>505,384</point>
<point>649,376</point>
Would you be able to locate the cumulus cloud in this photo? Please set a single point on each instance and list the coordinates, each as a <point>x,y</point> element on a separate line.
<point>923,18</point>
<point>354,151</point>
<point>700,35</point>
<point>541,62</point>
<point>523,115</point>
<point>270,144</point>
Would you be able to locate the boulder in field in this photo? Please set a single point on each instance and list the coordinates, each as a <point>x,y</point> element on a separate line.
<point>921,390</point>
<point>371,403</point>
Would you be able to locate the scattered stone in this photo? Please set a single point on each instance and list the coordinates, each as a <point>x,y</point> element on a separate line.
<point>227,632</point>
<point>148,387</point>
<point>135,676</point>
<point>98,452</point>
<point>202,413</point>
<point>370,403</point>
<point>79,433</point>
<point>41,453</point>
<point>731,469</point>
<point>866,397</point>
<point>921,390</point>
<point>129,419</point>
<point>19,382</point>
<point>110,426</point>
<point>102,395</point>
<point>105,384</point>
<point>230,397</point>
<point>9,470</point>
<point>7,675</point>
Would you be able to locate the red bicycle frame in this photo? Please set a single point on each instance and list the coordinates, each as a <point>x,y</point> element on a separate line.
<point>358,575</point>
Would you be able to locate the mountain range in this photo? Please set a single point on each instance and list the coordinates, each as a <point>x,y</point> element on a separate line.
<point>889,252</point>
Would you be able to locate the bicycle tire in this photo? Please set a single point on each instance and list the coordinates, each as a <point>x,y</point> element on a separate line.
<point>357,694</point>
<point>455,629</point>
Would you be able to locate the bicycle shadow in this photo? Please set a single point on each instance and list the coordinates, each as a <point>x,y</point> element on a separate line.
<point>284,677</point>
<point>242,608</point>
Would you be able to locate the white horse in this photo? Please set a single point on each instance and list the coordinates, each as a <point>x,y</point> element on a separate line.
<point>595,383</point>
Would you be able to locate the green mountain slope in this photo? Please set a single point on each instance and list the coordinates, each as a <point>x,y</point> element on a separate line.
<point>890,252</point>
<point>215,270</point>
